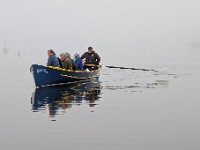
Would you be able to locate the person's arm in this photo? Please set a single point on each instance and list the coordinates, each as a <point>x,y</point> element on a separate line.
<point>69,65</point>
<point>80,64</point>
<point>83,56</point>
<point>98,58</point>
<point>49,62</point>
<point>64,65</point>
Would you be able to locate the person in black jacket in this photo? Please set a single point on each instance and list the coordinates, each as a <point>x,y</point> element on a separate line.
<point>91,57</point>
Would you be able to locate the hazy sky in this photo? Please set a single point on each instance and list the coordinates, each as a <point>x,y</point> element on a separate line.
<point>115,27</point>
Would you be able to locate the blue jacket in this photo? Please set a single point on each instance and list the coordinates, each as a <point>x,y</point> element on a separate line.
<point>79,64</point>
<point>53,61</point>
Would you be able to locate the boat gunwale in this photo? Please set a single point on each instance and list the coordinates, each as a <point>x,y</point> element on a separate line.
<point>68,70</point>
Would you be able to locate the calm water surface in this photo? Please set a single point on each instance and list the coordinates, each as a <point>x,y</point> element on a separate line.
<point>126,109</point>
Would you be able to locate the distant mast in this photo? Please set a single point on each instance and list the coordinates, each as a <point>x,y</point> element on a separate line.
<point>5,49</point>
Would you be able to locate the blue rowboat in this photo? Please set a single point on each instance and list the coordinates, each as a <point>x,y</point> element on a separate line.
<point>50,76</point>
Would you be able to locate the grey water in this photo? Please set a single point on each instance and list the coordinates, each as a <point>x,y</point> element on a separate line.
<point>126,109</point>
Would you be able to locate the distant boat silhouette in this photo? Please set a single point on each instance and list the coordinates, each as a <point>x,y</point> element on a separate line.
<point>5,50</point>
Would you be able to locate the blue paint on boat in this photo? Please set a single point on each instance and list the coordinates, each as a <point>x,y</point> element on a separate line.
<point>49,76</point>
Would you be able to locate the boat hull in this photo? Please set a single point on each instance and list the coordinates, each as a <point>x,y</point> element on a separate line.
<point>50,76</point>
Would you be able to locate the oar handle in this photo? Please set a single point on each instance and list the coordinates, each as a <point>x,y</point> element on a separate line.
<point>90,65</point>
<point>93,65</point>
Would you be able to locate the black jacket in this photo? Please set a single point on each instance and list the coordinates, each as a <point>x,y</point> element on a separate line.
<point>91,58</point>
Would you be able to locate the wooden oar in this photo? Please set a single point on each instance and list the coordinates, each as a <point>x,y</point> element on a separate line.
<point>116,67</point>
<point>161,71</point>
<point>158,71</point>
<point>129,68</point>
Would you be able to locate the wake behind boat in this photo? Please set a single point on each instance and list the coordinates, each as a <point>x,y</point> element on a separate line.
<point>50,76</point>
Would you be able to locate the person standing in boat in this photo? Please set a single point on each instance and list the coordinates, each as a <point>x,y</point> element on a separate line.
<point>91,58</point>
<point>66,61</point>
<point>52,60</point>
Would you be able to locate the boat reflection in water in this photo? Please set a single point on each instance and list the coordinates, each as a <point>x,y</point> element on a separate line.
<point>64,97</point>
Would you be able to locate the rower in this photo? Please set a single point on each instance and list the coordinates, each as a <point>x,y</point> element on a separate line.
<point>92,59</point>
